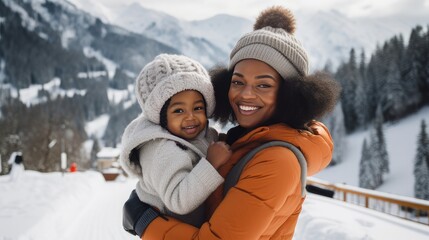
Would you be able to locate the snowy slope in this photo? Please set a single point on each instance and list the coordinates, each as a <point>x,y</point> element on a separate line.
<point>401,139</point>
<point>43,205</point>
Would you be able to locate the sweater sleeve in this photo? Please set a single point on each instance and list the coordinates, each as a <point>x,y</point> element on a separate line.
<point>248,208</point>
<point>181,187</point>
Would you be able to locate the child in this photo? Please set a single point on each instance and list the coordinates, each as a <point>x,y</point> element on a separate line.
<point>167,145</point>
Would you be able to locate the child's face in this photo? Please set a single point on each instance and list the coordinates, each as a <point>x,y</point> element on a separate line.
<point>186,114</point>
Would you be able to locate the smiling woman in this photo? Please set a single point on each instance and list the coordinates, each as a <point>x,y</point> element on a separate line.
<point>253,92</point>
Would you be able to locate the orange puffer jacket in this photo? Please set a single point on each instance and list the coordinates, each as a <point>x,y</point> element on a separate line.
<point>266,202</point>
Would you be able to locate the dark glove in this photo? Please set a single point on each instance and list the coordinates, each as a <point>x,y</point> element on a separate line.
<point>137,215</point>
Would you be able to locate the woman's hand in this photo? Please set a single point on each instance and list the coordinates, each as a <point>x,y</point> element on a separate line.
<point>218,153</point>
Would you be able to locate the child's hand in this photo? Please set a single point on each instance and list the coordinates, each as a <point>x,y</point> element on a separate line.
<point>218,153</point>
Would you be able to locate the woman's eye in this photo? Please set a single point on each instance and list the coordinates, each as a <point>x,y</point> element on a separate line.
<point>264,86</point>
<point>236,82</point>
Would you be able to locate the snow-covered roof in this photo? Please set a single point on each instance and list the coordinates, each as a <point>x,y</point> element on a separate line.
<point>108,152</point>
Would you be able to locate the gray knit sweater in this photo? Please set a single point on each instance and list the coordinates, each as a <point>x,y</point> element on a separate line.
<point>171,179</point>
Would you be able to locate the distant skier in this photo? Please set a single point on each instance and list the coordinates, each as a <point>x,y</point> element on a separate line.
<point>16,164</point>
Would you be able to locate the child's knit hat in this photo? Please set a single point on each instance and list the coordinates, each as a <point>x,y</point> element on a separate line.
<point>273,42</point>
<point>167,75</point>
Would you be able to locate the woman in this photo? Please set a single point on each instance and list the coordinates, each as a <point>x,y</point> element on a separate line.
<point>268,92</point>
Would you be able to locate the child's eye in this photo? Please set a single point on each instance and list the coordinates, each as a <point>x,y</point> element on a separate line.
<point>199,108</point>
<point>179,110</point>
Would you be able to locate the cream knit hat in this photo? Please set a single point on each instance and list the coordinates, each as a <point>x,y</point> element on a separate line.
<point>273,42</point>
<point>167,75</point>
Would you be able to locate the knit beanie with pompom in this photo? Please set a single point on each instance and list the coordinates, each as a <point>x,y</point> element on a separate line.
<point>167,75</point>
<point>273,42</point>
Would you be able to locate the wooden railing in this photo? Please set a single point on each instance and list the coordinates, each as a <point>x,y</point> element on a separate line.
<point>413,209</point>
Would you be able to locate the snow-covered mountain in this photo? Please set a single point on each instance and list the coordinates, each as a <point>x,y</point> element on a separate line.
<point>199,40</point>
<point>60,40</point>
<point>328,35</point>
<point>223,30</point>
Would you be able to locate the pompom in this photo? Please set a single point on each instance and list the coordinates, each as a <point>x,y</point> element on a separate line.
<point>276,17</point>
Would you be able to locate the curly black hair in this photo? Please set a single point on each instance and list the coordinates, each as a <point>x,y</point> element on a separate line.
<point>299,99</point>
<point>163,114</point>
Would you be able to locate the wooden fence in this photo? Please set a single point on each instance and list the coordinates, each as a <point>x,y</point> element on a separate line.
<point>412,209</point>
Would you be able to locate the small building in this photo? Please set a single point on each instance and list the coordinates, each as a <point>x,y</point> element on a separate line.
<point>107,163</point>
<point>107,158</point>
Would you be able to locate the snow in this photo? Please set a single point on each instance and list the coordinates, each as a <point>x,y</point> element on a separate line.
<point>29,96</point>
<point>110,65</point>
<point>91,74</point>
<point>326,219</point>
<point>27,21</point>
<point>116,96</point>
<point>97,126</point>
<point>66,36</point>
<point>96,8</point>
<point>401,139</point>
<point>43,205</point>
<point>83,205</point>
<point>108,152</point>
<point>2,69</point>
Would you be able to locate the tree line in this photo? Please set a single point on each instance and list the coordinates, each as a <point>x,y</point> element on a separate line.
<point>395,79</point>
<point>391,85</point>
<point>42,131</point>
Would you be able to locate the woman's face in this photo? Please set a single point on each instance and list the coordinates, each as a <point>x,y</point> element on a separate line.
<point>253,92</point>
<point>186,114</point>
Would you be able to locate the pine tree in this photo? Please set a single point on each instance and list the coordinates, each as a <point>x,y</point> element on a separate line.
<point>375,160</point>
<point>418,53</point>
<point>425,84</point>
<point>366,170</point>
<point>361,100</point>
<point>380,143</point>
<point>394,97</point>
<point>371,86</point>
<point>410,71</point>
<point>421,165</point>
<point>347,74</point>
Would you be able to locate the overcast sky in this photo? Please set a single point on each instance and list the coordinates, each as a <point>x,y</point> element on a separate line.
<point>193,9</point>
